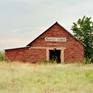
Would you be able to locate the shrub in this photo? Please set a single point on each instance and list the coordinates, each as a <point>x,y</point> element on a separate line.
<point>88,61</point>
<point>2,56</point>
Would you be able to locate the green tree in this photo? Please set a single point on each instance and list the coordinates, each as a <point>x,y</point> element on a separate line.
<point>83,31</point>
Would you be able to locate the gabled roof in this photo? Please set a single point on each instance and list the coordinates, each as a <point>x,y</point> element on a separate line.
<point>50,28</point>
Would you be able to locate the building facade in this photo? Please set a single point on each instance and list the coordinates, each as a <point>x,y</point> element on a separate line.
<point>55,44</point>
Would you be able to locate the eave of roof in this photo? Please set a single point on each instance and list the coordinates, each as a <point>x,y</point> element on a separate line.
<point>17,48</point>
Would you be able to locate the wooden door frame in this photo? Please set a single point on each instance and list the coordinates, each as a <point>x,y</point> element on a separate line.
<point>58,48</point>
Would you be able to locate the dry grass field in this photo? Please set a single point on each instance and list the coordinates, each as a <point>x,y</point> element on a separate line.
<point>45,78</point>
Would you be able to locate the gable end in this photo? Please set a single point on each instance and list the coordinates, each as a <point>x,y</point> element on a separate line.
<point>50,28</point>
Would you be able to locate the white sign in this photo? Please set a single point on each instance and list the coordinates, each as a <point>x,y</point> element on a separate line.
<point>55,39</point>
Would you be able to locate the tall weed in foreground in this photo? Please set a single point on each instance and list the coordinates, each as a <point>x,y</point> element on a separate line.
<point>2,56</point>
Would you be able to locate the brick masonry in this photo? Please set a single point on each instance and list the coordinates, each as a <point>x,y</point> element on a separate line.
<point>36,51</point>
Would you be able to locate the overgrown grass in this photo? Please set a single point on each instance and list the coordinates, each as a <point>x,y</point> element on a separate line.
<point>49,78</point>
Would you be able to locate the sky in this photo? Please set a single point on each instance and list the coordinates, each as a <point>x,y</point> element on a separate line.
<point>21,21</point>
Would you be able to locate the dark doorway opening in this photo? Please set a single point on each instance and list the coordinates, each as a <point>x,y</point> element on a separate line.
<point>54,55</point>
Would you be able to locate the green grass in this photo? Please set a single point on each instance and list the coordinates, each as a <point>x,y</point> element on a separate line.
<point>45,78</point>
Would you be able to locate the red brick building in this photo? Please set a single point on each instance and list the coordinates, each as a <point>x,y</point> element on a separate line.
<point>55,44</point>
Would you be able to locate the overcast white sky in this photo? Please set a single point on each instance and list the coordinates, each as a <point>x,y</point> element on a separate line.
<point>22,20</point>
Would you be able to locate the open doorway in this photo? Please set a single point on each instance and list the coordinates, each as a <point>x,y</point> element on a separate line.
<point>54,55</point>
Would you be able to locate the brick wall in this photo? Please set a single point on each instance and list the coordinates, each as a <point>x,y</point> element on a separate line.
<point>26,55</point>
